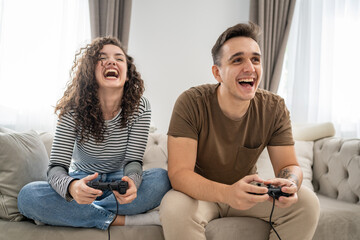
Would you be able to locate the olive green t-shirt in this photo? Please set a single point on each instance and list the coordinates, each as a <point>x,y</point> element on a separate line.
<point>228,150</point>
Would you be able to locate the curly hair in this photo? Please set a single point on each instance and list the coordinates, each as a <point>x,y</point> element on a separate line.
<point>81,94</point>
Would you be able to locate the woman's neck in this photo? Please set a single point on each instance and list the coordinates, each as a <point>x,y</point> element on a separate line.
<point>110,102</point>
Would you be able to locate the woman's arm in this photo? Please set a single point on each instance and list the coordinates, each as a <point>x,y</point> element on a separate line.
<point>61,154</point>
<point>137,140</point>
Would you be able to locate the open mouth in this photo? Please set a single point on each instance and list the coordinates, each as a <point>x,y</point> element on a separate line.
<point>247,82</point>
<point>111,73</point>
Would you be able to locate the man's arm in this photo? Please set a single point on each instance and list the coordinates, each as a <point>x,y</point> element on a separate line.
<point>285,165</point>
<point>182,158</point>
<point>287,171</point>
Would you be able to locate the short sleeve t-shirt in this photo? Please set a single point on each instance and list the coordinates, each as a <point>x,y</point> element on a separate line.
<point>227,149</point>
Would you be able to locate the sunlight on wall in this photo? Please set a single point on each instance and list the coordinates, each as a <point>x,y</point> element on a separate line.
<point>172,45</point>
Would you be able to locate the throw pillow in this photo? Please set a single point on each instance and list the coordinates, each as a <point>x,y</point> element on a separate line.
<point>23,159</point>
<point>6,130</point>
<point>304,153</point>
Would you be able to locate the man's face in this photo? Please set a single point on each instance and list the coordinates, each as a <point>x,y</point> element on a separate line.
<point>111,69</point>
<point>240,70</point>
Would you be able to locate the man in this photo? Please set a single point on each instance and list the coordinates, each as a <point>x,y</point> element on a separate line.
<point>216,134</point>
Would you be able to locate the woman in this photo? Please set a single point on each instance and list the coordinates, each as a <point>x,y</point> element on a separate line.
<point>101,136</point>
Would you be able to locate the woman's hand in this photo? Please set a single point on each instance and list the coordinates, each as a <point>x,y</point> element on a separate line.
<point>82,193</point>
<point>131,192</point>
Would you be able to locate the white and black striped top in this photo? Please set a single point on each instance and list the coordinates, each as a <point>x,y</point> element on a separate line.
<point>119,147</point>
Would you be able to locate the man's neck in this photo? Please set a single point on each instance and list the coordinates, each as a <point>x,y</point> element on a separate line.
<point>233,108</point>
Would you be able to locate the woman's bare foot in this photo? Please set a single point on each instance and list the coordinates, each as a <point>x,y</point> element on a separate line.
<point>119,221</point>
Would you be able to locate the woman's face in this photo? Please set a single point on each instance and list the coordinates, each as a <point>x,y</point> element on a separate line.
<point>111,69</point>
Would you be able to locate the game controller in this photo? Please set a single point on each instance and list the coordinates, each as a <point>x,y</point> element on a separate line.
<point>273,191</point>
<point>120,186</point>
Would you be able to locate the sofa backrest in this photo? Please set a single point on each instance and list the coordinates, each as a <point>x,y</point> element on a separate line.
<point>155,155</point>
<point>336,169</point>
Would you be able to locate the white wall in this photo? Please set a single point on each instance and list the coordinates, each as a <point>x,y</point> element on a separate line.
<point>171,43</point>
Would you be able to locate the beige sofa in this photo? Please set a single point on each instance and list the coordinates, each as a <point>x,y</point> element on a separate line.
<point>331,167</point>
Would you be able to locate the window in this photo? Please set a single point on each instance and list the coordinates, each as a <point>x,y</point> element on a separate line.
<point>38,42</point>
<point>320,81</point>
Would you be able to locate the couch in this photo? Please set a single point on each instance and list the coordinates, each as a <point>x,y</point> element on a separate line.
<point>331,168</point>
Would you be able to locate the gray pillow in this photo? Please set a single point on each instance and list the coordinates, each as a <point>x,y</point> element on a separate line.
<point>23,159</point>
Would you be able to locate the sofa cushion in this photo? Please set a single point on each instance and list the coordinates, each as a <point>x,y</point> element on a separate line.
<point>304,154</point>
<point>23,159</point>
<point>338,220</point>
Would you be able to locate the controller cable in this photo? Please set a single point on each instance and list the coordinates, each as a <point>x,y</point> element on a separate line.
<point>117,210</point>
<point>272,210</point>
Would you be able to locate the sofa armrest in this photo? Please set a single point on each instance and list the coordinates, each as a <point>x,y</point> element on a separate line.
<point>336,169</point>
<point>312,131</point>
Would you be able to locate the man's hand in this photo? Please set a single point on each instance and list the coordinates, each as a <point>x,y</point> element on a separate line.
<point>287,186</point>
<point>239,194</point>
<point>131,192</point>
<point>82,193</point>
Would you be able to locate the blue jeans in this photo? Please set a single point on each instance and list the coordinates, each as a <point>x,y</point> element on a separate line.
<point>39,201</point>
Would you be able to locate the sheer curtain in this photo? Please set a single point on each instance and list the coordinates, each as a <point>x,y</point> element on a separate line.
<point>38,42</point>
<point>321,81</point>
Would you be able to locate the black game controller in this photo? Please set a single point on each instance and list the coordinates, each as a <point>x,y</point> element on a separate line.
<point>120,186</point>
<point>273,191</point>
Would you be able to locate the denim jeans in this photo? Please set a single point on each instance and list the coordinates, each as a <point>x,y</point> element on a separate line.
<point>39,201</point>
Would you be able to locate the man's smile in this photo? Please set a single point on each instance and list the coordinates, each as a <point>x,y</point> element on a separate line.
<point>247,81</point>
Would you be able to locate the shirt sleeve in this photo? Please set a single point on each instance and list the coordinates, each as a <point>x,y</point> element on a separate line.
<point>61,154</point>
<point>185,118</point>
<point>137,140</point>
<point>282,133</point>
<point>134,171</point>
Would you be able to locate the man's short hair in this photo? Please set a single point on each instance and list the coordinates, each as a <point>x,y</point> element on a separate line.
<point>250,30</point>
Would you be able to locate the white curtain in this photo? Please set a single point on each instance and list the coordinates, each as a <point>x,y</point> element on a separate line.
<point>38,42</point>
<point>321,81</point>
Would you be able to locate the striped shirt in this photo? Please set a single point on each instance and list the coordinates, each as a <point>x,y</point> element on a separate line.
<point>119,147</point>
